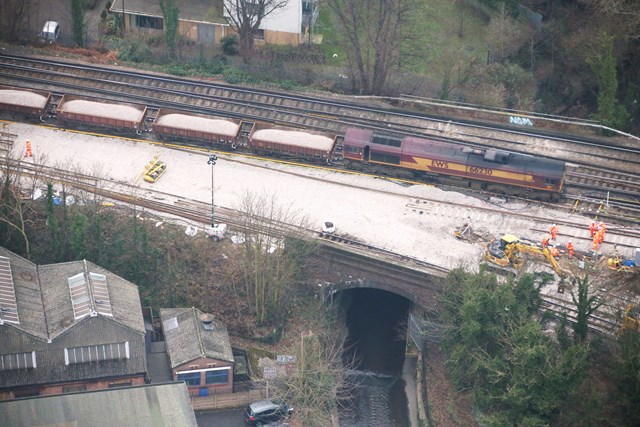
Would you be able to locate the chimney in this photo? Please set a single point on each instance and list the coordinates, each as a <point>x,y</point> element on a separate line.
<point>207,321</point>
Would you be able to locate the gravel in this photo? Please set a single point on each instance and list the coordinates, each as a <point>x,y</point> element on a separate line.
<point>295,138</point>
<point>23,98</point>
<point>184,121</point>
<point>101,109</point>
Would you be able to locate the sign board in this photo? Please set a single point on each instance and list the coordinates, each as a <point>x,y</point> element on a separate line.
<point>269,372</point>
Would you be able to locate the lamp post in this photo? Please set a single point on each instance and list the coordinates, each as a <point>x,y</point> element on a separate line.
<point>124,23</point>
<point>212,161</point>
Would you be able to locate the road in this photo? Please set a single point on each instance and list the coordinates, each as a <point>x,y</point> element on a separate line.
<point>226,418</point>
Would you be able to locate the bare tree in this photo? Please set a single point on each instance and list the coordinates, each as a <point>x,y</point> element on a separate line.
<point>321,377</point>
<point>245,17</point>
<point>13,14</point>
<point>372,34</point>
<point>506,35</point>
<point>14,206</point>
<point>625,12</point>
<point>271,257</point>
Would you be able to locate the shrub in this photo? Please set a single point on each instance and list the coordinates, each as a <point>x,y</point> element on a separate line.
<point>230,45</point>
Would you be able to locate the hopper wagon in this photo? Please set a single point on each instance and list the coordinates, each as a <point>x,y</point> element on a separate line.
<point>180,125</point>
<point>117,116</point>
<point>28,102</point>
<point>292,143</point>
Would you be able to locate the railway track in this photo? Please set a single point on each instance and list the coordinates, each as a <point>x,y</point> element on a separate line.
<point>407,276</point>
<point>321,114</point>
<point>618,191</point>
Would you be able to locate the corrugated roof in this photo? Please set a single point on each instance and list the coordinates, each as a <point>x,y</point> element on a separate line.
<point>48,325</point>
<point>190,340</point>
<point>149,405</point>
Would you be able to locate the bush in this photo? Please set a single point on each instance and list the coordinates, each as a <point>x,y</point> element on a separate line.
<point>134,50</point>
<point>230,45</point>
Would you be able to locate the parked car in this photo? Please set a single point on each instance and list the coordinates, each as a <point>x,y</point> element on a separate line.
<point>50,31</point>
<point>266,411</point>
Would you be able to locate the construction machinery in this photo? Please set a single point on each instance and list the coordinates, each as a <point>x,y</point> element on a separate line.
<point>507,253</point>
<point>618,263</point>
<point>154,169</point>
<point>631,320</point>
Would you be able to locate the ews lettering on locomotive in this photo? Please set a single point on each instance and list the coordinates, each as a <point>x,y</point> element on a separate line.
<point>440,164</point>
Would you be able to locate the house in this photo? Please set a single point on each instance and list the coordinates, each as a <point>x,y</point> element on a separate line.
<point>206,22</point>
<point>67,327</point>
<point>140,406</point>
<point>199,351</point>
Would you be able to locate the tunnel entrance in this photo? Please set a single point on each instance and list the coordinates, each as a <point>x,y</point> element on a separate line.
<point>377,325</point>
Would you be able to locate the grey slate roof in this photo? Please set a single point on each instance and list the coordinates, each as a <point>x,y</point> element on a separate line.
<point>48,326</point>
<point>187,339</point>
<point>150,405</point>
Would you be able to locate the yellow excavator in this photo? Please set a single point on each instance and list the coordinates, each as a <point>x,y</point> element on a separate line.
<point>507,253</point>
<point>631,320</point>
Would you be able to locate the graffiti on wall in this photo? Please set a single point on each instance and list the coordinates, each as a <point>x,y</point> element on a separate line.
<point>522,121</point>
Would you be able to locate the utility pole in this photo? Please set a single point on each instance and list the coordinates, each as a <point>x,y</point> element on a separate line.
<point>212,161</point>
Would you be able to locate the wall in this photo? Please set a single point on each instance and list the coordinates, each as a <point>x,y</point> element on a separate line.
<point>206,363</point>
<point>53,389</point>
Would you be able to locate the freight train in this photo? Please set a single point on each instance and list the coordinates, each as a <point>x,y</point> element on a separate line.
<point>359,149</point>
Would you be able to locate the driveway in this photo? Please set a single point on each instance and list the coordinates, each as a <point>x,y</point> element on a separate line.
<point>225,418</point>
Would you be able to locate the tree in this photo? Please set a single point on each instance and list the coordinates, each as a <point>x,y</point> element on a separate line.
<point>170,12</point>
<point>496,346</point>
<point>77,19</point>
<point>321,379</point>
<point>506,35</point>
<point>12,16</point>
<point>12,208</point>
<point>603,63</point>
<point>372,34</point>
<point>271,256</point>
<point>585,306</point>
<point>246,16</point>
<point>628,372</point>
<point>625,12</point>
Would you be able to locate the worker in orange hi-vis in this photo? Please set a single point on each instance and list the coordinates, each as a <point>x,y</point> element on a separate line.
<point>602,227</point>
<point>28,152</point>
<point>570,249</point>
<point>554,232</point>
<point>600,236</point>
<point>554,251</point>
<point>593,228</point>
<point>545,242</point>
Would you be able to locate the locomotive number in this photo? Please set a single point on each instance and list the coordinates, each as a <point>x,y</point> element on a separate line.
<point>480,171</point>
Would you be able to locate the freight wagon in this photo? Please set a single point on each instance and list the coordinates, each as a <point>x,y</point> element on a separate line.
<point>27,102</point>
<point>117,116</point>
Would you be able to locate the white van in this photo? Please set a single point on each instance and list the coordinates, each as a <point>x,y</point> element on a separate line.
<point>50,31</point>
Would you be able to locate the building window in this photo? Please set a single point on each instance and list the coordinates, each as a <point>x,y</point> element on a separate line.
<point>13,361</point>
<point>26,393</point>
<point>148,22</point>
<point>73,388</point>
<point>120,384</point>
<point>96,353</point>
<point>220,376</point>
<point>258,35</point>
<point>191,378</point>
